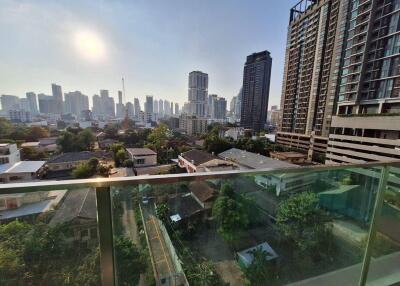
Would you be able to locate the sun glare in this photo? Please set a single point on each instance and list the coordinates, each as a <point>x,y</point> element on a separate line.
<point>90,46</point>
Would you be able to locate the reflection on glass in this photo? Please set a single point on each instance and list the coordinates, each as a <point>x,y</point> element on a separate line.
<point>49,238</point>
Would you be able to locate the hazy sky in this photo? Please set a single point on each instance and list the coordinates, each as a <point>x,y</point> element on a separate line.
<point>89,45</point>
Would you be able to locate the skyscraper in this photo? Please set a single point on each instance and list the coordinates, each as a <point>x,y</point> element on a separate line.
<point>130,109</point>
<point>58,98</point>
<point>137,108</point>
<point>148,108</point>
<point>256,81</point>
<point>31,96</point>
<point>9,102</point>
<point>120,106</point>
<point>176,108</point>
<point>198,91</point>
<point>220,108</point>
<point>155,106</point>
<point>167,107</point>
<point>161,108</point>
<point>76,102</point>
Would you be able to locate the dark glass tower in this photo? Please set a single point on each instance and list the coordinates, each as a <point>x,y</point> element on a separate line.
<point>256,81</point>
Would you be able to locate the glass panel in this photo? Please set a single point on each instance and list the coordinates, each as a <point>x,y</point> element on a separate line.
<point>384,268</point>
<point>262,228</point>
<point>49,238</point>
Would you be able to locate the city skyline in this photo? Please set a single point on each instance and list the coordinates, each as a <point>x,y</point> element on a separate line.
<point>165,40</point>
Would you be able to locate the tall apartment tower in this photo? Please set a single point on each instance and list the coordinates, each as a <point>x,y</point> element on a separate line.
<point>120,108</point>
<point>176,108</point>
<point>32,101</point>
<point>149,108</point>
<point>198,91</point>
<point>136,106</point>
<point>367,122</point>
<point>256,82</point>
<point>58,97</point>
<point>313,55</point>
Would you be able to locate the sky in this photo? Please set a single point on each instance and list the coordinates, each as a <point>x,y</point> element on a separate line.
<point>90,45</point>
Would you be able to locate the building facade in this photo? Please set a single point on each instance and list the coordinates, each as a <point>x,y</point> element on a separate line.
<point>256,82</point>
<point>198,93</point>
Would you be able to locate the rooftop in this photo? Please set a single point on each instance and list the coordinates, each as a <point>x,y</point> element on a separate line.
<point>252,160</point>
<point>77,156</point>
<point>202,190</point>
<point>197,157</point>
<point>21,167</point>
<point>140,151</point>
<point>183,205</point>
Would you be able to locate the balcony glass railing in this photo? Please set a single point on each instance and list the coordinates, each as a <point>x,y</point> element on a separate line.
<point>337,225</point>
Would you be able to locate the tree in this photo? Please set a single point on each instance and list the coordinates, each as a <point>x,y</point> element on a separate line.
<point>130,261</point>
<point>29,153</point>
<point>204,274</point>
<point>76,141</point>
<point>66,142</point>
<point>302,222</point>
<point>84,170</point>
<point>37,132</point>
<point>162,212</point>
<point>88,273</point>
<point>5,128</point>
<point>216,144</point>
<point>260,272</point>
<point>86,140</point>
<point>229,214</point>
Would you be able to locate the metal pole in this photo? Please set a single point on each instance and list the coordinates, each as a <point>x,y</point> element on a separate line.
<point>104,222</point>
<point>372,230</point>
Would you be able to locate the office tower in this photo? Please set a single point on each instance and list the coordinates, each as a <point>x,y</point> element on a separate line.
<point>176,108</point>
<point>238,104</point>
<point>97,108</point>
<point>219,108</point>
<point>161,108</point>
<point>24,105</point>
<point>86,115</point>
<point>197,95</point>
<point>210,105</point>
<point>232,104</point>
<point>33,106</point>
<point>130,109</point>
<point>256,81</point>
<point>148,108</point>
<point>19,115</point>
<point>75,103</point>
<point>186,108</point>
<point>171,109</point>
<point>120,106</point>
<point>48,104</point>
<point>107,104</point>
<point>366,126</point>
<point>167,107</point>
<point>136,108</point>
<point>9,102</point>
<point>58,98</point>
<point>155,106</point>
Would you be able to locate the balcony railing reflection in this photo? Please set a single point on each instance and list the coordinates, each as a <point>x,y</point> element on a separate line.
<point>335,225</point>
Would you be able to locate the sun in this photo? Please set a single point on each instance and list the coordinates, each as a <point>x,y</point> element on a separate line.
<point>90,46</point>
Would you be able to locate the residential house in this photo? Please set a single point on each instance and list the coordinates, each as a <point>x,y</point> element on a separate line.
<point>199,161</point>
<point>21,171</point>
<point>142,157</point>
<point>9,153</point>
<point>291,157</point>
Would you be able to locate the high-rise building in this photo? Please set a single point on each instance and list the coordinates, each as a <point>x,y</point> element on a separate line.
<point>161,108</point>
<point>47,104</point>
<point>176,108</point>
<point>9,102</point>
<point>197,95</point>
<point>137,108</point>
<point>341,66</point>
<point>256,81</point>
<point>238,105</point>
<point>19,115</point>
<point>232,104</point>
<point>24,104</point>
<point>155,106</point>
<point>33,106</point>
<point>130,109</point>
<point>75,102</point>
<point>58,98</point>
<point>148,108</point>
<point>220,108</point>
<point>210,104</point>
<point>366,124</point>
<point>167,108</point>
<point>120,106</point>
<point>97,108</point>
<point>171,109</point>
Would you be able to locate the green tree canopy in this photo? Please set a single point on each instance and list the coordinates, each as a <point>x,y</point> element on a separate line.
<point>83,140</point>
<point>216,144</point>
<point>260,272</point>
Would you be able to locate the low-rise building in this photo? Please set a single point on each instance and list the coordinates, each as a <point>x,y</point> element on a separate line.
<point>21,171</point>
<point>142,157</point>
<point>291,157</point>
<point>9,153</point>
<point>106,143</point>
<point>195,161</point>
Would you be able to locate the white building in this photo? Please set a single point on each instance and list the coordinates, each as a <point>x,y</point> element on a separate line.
<point>9,154</point>
<point>19,115</point>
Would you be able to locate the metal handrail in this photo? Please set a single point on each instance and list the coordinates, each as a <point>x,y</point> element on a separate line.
<point>45,185</point>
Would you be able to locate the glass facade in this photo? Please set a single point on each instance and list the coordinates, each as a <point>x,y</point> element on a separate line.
<point>308,226</point>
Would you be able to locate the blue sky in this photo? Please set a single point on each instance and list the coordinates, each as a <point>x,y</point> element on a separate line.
<point>153,44</point>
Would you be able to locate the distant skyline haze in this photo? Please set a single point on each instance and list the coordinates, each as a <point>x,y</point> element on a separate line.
<point>90,45</point>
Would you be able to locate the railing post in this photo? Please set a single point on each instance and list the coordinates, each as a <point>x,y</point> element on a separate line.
<point>104,222</point>
<point>372,229</point>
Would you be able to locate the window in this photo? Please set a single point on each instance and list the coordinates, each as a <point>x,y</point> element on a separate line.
<point>140,161</point>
